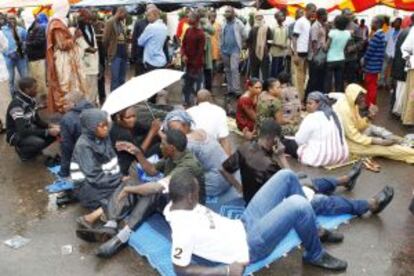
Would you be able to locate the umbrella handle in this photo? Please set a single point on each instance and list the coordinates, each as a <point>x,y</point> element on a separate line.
<point>150,110</point>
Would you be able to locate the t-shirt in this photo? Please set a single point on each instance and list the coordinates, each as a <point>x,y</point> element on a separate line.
<point>339,39</point>
<point>211,236</point>
<point>302,29</point>
<point>318,35</point>
<point>210,118</point>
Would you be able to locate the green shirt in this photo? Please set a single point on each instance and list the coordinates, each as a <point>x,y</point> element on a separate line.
<point>186,161</point>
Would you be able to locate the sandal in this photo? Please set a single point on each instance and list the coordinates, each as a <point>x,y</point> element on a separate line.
<point>371,165</point>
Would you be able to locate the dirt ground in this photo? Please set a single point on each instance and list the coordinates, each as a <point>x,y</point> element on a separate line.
<point>376,245</point>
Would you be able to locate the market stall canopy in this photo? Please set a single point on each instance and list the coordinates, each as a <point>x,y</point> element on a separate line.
<point>165,5</point>
<point>8,4</point>
<point>354,5</point>
<point>140,89</point>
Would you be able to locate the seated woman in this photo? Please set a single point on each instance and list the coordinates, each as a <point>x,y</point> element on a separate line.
<point>291,103</point>
<point>321,137</point>
<point>270,106</point>
<point>205,148</point>
<point>354,125</point>
<point>94,167</point>
<point>246,106</point>
<point>127,129</point>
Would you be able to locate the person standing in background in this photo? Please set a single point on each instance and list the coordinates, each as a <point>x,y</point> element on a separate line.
<point>257,42</point>
<point>115,42</point>
<point>391,39</point>
<point>300,47</point>
<point>373,60</point>
<point>215,41</point>
<point>231,43</point>
<point>279,45</point>
<point>90,56</point>
<point>36,54</point>
<point>318,43</point>
<point>98,26</point>
<point>63,57</point>
<point>15,55</point>
<point>192,51</point>
<point>4,83</point>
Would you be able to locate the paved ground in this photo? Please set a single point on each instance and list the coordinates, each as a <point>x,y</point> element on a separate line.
<point>377,245</point>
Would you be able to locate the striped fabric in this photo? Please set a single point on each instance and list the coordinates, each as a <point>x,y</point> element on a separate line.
<point>374,56</point>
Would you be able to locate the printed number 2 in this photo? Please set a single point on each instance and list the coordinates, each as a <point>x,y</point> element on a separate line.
<point>178,252</point>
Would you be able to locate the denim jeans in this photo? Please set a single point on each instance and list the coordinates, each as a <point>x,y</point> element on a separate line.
<point>279,206</point>
<point>325,204</point>
<point>231,69</point>
<point>335,73</point>
<point>192,84</point>
<point>278,65</point>
<point>22,67</point>
<point>118,72</point>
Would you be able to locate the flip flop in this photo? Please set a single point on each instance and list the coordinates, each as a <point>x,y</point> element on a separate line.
<point>369,165</point>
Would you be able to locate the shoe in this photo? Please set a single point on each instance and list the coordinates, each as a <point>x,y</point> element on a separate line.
<point>83,224</point>
<point>328,261</point>
<point>331,236</point>
<point>100,234</point>
<point>110,248</point>
<point>353,175</point>
<point>383,198</point>
<point>65,198</point>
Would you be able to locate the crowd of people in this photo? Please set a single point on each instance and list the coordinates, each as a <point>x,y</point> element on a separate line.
<point>311,92</point>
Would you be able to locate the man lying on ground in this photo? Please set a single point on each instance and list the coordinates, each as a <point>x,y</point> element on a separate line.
<point>26,131</point>
<point>140,201</point>
<point>278,207</point>
<point>258,162</point>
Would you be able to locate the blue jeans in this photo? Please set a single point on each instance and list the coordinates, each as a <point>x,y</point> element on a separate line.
<point>325,204</point>
<point>279,206</point>
<point>22,68</point>
<point>118,72</point>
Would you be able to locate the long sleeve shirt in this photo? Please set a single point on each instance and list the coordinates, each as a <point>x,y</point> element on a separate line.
<point>374,56</point>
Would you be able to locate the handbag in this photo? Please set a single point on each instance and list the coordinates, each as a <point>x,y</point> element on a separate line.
<point>319,59</point>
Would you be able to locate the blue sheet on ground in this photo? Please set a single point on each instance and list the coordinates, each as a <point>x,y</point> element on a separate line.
<point>60,184</point>
<point>153,238</point>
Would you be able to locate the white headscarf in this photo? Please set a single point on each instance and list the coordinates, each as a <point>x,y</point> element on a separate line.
<point>60,10</point>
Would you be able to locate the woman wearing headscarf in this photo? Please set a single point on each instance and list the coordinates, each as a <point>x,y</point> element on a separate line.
<point>321,136</point>
<point>63,58</point>
<point>94,167</point>
<point>355,127</point>
<point>205,148</point>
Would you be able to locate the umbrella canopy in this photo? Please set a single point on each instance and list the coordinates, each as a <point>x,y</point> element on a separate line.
<point>139,89</point>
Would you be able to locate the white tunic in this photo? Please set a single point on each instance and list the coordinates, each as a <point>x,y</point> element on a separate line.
<point>319,141</point>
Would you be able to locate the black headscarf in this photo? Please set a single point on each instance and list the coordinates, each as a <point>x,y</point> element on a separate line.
<point>90,119</point>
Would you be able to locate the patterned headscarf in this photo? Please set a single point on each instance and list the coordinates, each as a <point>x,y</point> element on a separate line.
<point>177,115</point>
<point>325,107</point>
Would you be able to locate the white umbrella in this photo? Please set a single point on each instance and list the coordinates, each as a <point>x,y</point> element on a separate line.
<point>139,89</point>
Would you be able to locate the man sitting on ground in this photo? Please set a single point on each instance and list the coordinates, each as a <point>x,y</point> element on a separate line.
<point>141,201</point>
<point>259,161</point>
<point>26,131</point>
<point>277,208</point>
<point>211,118</point>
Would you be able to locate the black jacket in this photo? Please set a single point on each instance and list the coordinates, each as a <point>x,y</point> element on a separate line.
<point>70,131</point>
<point>22,119</point>
<point>36,42</point>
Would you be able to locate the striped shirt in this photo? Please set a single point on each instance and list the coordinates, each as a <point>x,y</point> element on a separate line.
<point>374,56</point>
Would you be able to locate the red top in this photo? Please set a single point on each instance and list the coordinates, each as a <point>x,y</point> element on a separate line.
<point>180,27</point>
<point>242,119</point>
<point>193,48</point>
